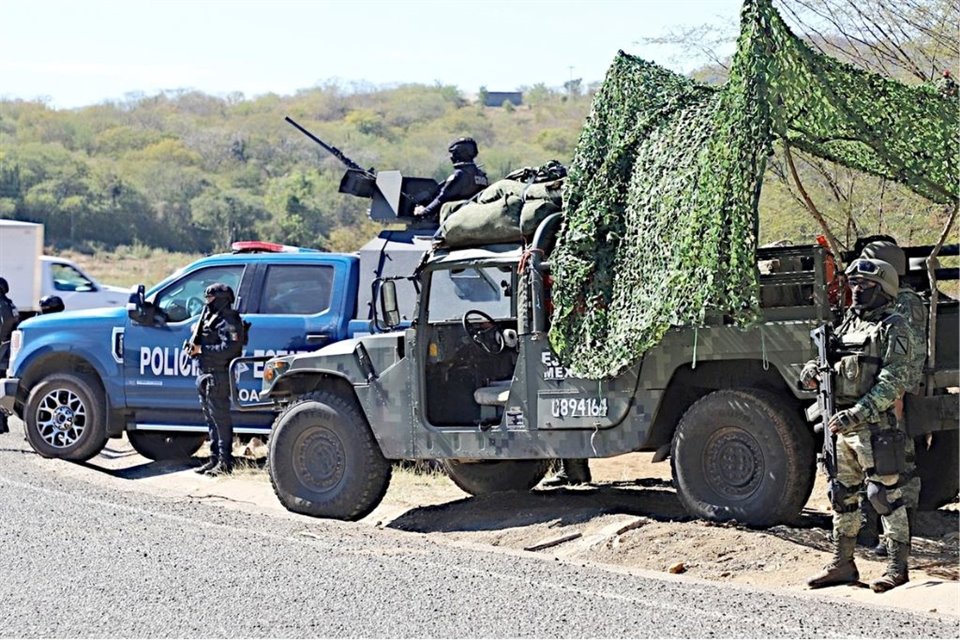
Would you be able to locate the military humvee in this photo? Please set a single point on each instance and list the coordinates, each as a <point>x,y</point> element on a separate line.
<point>474,383</point>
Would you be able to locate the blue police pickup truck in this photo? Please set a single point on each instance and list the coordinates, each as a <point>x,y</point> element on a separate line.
<point>79,378</point>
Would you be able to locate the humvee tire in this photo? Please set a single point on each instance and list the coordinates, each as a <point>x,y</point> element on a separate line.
<point>157,445</point>
<point>64,417</point>
<point>491,476</point>
<point>740,455</point>
<point>324,461</point>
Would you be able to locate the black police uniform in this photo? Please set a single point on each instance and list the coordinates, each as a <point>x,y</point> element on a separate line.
<point>220,341</point>
<point>466,180</point>
<point>8,322</point>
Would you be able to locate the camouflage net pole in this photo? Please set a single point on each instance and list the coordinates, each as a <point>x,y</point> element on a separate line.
<point>661,199</point>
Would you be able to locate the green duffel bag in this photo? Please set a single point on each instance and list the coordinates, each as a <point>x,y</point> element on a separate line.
<point>491,223</point>
<point>533,213</point>
<point>552,191</point>
<point>447,209</point>
<point>499,189</point>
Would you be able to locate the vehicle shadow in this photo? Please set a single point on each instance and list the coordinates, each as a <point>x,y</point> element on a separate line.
<point>144,470</point>
<point>152,469</point>
<point>560,506</point>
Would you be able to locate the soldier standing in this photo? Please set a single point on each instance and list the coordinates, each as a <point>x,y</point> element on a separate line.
<point>220,340</point>
<point>873,372</point>
<point>910,306</point>
<point>466,180</point>
<point>8,322</point>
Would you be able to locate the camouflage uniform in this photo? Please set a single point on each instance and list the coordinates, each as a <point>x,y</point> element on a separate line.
<point>874,369</point>
<point>911,307</point>
<point>885,335</point>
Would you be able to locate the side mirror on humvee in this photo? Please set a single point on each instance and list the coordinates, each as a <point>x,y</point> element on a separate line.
<point>389,308</point>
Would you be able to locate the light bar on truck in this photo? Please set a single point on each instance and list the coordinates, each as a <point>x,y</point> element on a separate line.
<point>259,246</point>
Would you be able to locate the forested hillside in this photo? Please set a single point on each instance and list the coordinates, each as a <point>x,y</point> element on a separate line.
<point>190,172</point>
<point>193,172</point>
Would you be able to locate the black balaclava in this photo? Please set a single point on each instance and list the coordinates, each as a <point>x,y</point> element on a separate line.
<point>866,300</point>
<point>222,297</point>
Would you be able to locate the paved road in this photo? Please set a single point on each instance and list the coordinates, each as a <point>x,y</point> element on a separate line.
<point>79,559</point>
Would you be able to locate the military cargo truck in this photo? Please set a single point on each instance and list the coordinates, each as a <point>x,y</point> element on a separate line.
<point>474,383</point>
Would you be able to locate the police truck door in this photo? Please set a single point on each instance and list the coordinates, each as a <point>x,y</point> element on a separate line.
<point>157,373</point>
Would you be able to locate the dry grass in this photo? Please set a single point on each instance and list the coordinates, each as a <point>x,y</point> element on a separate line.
<point>127,266</point>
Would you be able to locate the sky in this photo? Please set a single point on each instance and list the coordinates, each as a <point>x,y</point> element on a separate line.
<point>77,53</point>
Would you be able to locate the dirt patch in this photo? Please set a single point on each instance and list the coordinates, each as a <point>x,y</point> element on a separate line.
<point>630,516</point>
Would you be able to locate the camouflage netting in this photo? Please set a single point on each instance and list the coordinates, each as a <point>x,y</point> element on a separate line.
<point>661,200</point>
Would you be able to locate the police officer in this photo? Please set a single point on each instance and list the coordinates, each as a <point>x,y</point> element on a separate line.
<point>220,340</point>
<point>873,372</point>
<point>466,180</point>
<point>910,306</point>
<point>9,317</point>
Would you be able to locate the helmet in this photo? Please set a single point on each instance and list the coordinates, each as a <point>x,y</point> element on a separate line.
<point>463,149</point>
<point>51,304</point>
<point>877,271</point>
<point>4,287</point>
<point>221,293</point>
<point>888,252</point>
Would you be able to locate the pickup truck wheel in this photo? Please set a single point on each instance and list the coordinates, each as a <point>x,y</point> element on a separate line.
<point>64,417</point>
<point>324,461</point>
<point>740,455</point>
<point>483,477</point>
<point>165,446</point>
<point>938,469</point>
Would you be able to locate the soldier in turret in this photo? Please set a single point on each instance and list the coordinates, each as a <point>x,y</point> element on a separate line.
<point>873,372</point>
<point>466,180</point>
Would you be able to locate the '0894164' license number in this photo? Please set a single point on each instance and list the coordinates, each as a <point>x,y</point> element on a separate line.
<point>578,407</point>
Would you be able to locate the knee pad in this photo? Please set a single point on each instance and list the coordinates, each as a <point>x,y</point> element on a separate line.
<point>877,495</point>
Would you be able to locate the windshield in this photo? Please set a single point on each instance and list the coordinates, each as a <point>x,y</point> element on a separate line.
<point>453,292</point>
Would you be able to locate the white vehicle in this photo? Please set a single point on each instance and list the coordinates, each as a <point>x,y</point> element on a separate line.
<point>32,275</point>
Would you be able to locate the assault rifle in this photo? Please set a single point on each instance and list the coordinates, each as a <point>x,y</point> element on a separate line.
<point>194,338</point>
<point>826,400</point>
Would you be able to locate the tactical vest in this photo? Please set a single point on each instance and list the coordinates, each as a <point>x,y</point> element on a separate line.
<point>861,358</point>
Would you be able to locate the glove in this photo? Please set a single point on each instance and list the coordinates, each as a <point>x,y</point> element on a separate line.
<point>418,210</point>
<point>809,374</point>
<point>845,421</point>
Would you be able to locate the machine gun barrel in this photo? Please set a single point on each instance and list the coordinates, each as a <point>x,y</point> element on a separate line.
<point>339,155</point>
<point>826,398</point>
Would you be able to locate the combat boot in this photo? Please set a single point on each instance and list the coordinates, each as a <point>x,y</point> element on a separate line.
<point>206,466</point>
<point>840,570</point>
<point>222,468</point>
<point>896,572</point>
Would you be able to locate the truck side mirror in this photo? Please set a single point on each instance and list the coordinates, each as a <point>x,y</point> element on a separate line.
<point>136,305</point>
<point>388,304</point>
